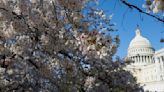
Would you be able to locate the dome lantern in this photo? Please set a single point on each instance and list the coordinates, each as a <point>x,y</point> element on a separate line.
<point>138,33</point>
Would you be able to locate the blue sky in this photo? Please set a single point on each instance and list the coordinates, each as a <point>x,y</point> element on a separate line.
<point>127,20</point>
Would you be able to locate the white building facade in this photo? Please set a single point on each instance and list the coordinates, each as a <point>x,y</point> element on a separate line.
<point>148,66</point>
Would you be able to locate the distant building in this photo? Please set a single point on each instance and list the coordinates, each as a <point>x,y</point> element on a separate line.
<point>148,66</point>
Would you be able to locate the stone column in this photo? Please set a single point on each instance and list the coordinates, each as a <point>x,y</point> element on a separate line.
<point>161,59</point>
<point>147,59</point>
<point>150,59</point>
<point>144,59</point>
<point>161,62</point>
<point>135,59</point>
<point>139,59</point>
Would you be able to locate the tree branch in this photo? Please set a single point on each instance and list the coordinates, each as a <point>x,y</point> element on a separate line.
<point>140,10</point>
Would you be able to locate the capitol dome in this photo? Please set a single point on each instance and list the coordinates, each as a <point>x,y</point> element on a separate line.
<point>140,49</point>
<point>139,41</point>
<point>140,45</point>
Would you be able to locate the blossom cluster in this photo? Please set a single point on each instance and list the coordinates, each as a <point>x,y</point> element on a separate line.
<point>154,5</point>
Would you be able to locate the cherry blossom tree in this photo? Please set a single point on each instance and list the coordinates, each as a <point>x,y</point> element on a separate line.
<point>59,46</point>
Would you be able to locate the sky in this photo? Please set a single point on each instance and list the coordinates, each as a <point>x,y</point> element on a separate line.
<point>127,20</point>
